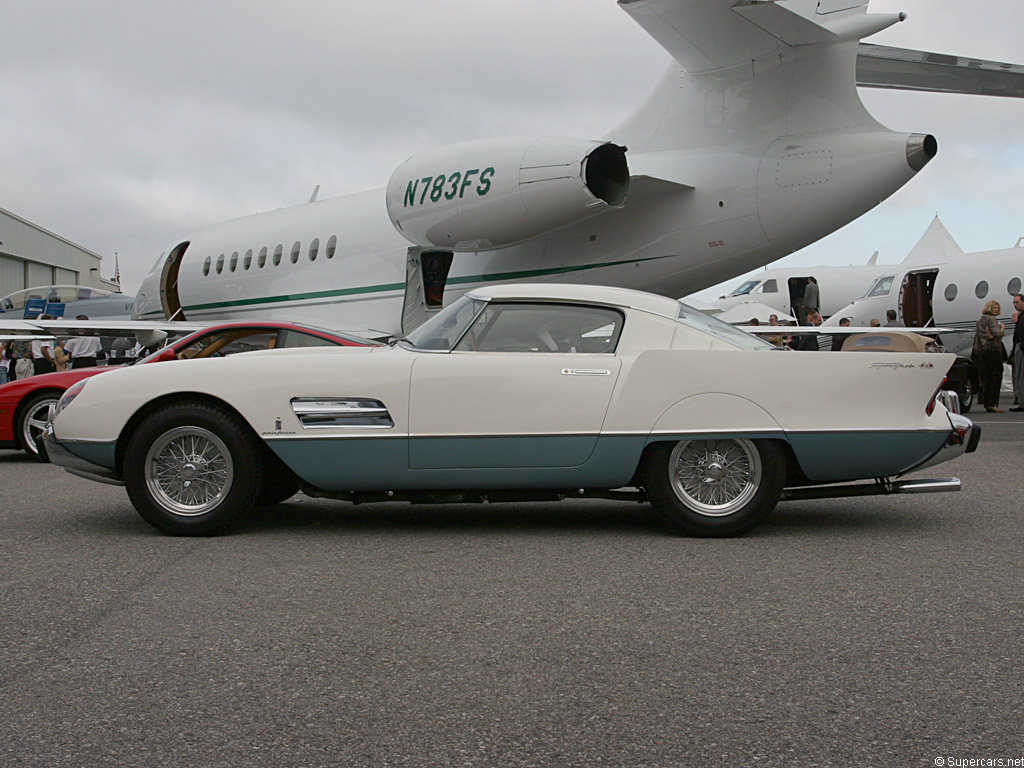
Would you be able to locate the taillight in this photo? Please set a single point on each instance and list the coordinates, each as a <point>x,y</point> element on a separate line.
<point>930,408</point>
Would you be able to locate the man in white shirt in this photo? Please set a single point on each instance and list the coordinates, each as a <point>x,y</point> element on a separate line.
<point>84,350</point>
<point>42,354</point>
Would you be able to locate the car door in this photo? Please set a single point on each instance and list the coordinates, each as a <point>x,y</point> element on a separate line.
<point>527,386</point>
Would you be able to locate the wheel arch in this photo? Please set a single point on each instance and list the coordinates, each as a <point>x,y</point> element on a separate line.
<point>171,399</point>
<point>717,412</point>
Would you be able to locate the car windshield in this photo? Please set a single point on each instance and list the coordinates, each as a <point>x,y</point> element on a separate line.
<point>443,331</point>
<point>711,325</point>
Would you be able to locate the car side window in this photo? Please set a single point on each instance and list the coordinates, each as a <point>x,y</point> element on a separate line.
<point>223,343</point>
<point>298,339</point>
<point>543,328</point>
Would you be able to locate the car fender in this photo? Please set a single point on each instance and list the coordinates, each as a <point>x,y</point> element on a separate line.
<point>716,413</point>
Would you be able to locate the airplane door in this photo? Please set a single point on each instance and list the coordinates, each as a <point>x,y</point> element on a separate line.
<point>169,298</point>
<point>915,304</point>
<point>426,273</point>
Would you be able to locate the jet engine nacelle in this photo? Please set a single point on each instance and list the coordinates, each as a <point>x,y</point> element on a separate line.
<point>492,193</point>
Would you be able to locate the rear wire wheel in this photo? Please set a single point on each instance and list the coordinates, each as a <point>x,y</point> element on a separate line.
<point>717,487</point>
<point>193,469</point>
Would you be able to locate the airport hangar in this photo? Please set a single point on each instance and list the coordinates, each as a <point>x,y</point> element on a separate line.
<point>32,256</point>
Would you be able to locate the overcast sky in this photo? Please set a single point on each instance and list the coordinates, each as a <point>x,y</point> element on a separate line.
<point>126,125</point>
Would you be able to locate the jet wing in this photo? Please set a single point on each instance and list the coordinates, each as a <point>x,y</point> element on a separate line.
<point>881,66</point>
<point>23,329</point>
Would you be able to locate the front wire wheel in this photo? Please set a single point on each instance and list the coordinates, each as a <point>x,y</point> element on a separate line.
<point>718,487</point>
<point>193,469</point>
<point>189,469</point>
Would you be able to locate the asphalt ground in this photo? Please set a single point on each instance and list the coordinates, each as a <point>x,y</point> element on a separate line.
<point>850,632</point>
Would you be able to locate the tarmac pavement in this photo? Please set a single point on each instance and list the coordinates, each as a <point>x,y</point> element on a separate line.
<point>868,631</point>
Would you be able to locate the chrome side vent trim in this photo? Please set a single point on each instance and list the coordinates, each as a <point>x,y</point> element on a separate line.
<point>343,412</point>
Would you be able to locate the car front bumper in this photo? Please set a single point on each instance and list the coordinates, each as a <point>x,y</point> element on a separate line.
<point>51,451</point>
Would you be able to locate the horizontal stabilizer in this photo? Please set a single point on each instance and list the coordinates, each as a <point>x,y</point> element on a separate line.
<point>881,66</point>
<point>704,35</point>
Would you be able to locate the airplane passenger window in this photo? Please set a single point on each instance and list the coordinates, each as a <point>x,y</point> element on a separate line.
<point>247,261</point>
<point>261,260</point>
<point>220,263</point>
<point>314,248</point>
<point>981,290</point>
<point>296,250</point>
<point>206,266</point>
<point>332,245</point>
<point>1013,287</point>
<point>233,264</point>
<point>950,292</point>
<point>277,254</point>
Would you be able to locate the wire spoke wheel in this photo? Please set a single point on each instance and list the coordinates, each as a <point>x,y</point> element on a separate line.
<point>189,470</point>
<point>715,478</point>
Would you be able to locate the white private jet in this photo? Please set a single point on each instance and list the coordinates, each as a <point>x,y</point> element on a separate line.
<point>753,144</point>
<point>937,289</point>
<point>947,292</point>
<point>781,288</point>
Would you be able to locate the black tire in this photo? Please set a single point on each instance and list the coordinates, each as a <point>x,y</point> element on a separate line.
<point>966,395</point>
<point>714,487</point>
<point>31,418</point>
<point>276,488</point>
<point>193,469</point>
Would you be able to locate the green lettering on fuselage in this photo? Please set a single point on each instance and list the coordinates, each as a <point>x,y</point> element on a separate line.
<point>447,186</point>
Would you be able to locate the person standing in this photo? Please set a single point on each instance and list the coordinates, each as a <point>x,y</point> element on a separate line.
<point>891,319</point>
<point>5,363</point>
<point>810,301</point>
<point>84,349</point>
<point>1018,351</point>
<point>808,342</point>
<point>840,338</point>
<point>988,353</point>
<point>42,354</point>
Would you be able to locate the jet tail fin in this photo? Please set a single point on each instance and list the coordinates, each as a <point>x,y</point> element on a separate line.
<point>881,66</point>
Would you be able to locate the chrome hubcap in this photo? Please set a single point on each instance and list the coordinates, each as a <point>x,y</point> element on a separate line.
<point>715,477</point>
<point>35,422</point>
<point>189,470</point>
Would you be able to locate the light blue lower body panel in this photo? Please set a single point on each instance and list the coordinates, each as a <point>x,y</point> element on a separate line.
<point>473,462</point>
<point>833,457</point>
<point>101,454</point>
<point>379,464</point>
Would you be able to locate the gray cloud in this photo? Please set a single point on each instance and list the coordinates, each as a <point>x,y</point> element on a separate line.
<point>126,125</point>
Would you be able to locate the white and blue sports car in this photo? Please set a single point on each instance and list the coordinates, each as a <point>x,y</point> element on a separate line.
<point>518,392</point>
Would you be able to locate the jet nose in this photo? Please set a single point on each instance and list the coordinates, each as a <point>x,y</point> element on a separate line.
<point>921,147</point>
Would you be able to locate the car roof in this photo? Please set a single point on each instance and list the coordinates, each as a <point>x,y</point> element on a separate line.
<point>571,292</point>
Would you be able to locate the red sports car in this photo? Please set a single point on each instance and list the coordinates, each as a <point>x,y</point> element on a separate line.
<point>26,404</point>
